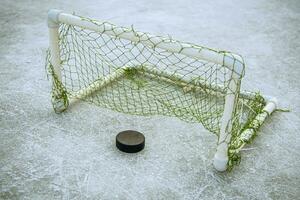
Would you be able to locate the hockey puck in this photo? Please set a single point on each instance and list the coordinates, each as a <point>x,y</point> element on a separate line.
<point>130,141</point>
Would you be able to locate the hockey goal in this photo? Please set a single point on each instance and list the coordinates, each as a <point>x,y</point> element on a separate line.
<point>142,74</point>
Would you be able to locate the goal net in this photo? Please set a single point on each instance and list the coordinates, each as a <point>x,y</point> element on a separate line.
<point>137,73</point>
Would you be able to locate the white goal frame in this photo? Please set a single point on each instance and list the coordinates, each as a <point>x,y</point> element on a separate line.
<point>229,60</point>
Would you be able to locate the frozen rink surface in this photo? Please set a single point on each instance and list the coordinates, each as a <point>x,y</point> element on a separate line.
<point>72,155</point>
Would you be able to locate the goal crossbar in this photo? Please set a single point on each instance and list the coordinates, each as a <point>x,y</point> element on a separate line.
<point>232,61</point>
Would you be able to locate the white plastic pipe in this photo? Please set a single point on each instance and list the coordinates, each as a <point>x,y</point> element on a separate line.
<point>54,50</point>
<point>270,107</point>
<point>149,70</point>
<point>221,155</point>
<point>231,61</point>
<point>217,89</point>
<point>98,84</point>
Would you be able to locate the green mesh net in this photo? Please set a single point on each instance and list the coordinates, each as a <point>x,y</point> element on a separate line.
<point>134,78</point>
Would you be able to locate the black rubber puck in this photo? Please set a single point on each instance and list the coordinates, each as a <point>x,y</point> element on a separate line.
<point>130,141</point>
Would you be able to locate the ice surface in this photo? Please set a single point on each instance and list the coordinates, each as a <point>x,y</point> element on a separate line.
<point>72,156</point>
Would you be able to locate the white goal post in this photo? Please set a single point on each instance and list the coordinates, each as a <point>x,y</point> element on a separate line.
<point>231,61</point>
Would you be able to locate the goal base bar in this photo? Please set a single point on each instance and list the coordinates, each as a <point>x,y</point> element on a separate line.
<point>163,76</point>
